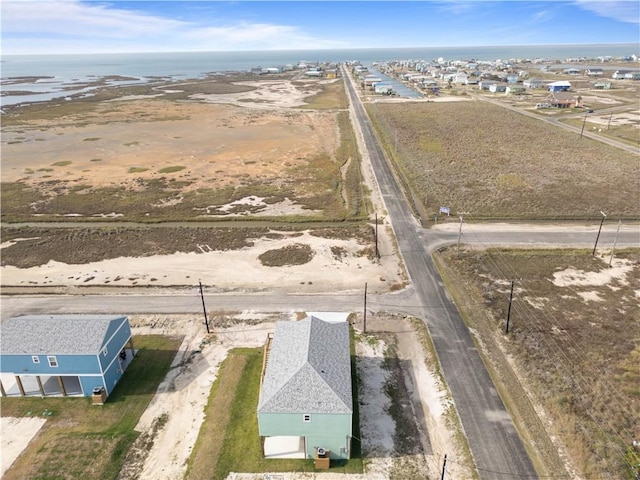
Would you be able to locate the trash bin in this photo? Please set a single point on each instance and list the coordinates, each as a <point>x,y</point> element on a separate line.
<point>99,396</point>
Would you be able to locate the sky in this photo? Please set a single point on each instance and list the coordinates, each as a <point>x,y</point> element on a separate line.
<point>74,26</point>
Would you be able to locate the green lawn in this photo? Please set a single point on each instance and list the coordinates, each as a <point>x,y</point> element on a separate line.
<point>81,440</point>
<point>228,440</point>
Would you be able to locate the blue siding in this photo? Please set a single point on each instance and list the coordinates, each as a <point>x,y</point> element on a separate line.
<point>115,340</point>
<point>89,383</point>
<point>93,370</point>
<point>67,365</point>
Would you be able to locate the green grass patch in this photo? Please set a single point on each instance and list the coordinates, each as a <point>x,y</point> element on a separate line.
<point>91,139</point>
<point>172,169</point>
<point>296,254</point>
<point>228,440</point>
<point>62,163</point>
<point>137,169</point>
<point>81,440</point>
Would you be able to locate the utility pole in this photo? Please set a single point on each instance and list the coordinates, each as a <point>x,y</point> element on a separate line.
<point>506,330</point>
<point>584,121</point>
<point>204,309</point>
<point>444,467</point>
<point>615,240</point>
<point>604,215</point>
<point>377,251</point>
<point>459,235</point>
<point>364,329</point>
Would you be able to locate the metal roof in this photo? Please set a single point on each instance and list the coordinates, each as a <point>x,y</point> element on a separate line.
<point>309,369</point>
<point>55,334</point>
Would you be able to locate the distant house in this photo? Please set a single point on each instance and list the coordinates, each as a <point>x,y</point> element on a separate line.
<point>63,355</point>
<point>619,74</point>
<point>533,83</point>
<point>594,72</point>
<point>306,397</point>
<point>515,90</point>
<point>632,76</point>
<point>460,78</point>
<point>498,88</point>
<point>602,85</point>
<point>383,89</point>
<point>561,100</point>
<point>561,86</point>
<point>485,84</point>
<point>571,71</point>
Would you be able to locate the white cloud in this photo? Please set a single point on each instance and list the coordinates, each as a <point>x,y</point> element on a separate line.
<point>627,11</point>
<point>70,26</point>
<point>75,18</point>
<point>542,15</point>
<point>456,7</point>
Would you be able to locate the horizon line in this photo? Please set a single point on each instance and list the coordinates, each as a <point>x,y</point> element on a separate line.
<point>637,45</point>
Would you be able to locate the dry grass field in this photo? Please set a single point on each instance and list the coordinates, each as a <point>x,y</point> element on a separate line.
<point>183,152</point>
<point>496,164</point>
<point>574,341</point>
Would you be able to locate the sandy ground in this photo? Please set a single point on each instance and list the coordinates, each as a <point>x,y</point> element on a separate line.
<point>239,270</point>
<point>15,435</point>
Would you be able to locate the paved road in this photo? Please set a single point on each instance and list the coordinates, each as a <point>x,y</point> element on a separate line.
<point>495,445</point>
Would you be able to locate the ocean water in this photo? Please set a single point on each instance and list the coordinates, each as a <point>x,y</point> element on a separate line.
<point>69,70</point>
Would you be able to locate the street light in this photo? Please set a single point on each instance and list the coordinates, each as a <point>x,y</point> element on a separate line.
<point>604,215</point>
<point>584,120</point>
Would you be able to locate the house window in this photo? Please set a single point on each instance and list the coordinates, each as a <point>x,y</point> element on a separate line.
<point>53,361</point>
<point>105,351</point>
<point>35,359</point>
<point>306,418</point>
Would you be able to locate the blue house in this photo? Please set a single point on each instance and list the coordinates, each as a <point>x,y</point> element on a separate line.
<point>305,408</point>
<point>63,355</point>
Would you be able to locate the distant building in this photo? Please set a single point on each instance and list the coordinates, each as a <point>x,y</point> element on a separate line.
<point>498,88</point>
<point>561,100</point>
<point>485,84</point>
<point>602,85</point>
<point>619,74</point>
<point>561,86</point>
<point>533,83</point>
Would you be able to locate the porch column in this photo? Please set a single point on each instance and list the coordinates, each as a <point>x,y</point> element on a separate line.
<point>2,392</point>
<point>20,387</point>
<point>61,383</point>
<point>130,343</point>
<point>40,386</point>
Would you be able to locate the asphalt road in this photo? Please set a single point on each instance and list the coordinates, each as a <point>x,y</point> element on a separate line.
<point>496,448</point>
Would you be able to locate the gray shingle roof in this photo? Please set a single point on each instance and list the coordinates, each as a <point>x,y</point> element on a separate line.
<point>55,334</point>
<point>309,369</point>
